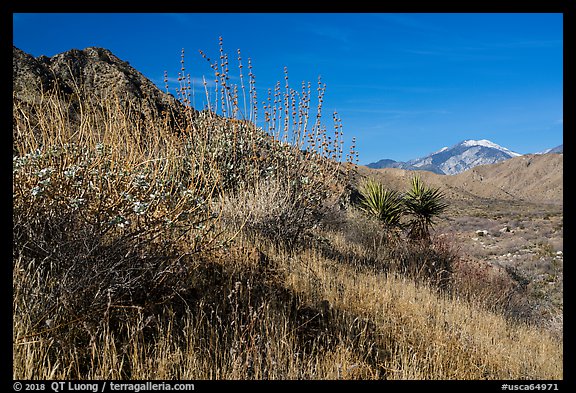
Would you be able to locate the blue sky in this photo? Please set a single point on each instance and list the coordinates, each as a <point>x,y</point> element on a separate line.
<point>405,85</point>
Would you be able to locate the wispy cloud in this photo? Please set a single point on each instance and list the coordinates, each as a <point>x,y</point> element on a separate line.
<point>196,82</point>
<point>425,52</point>
<point>337,33</point>
<point>410,21</point>
<point>398,89</point>
<point>484,50</point>
<point>399,113</point>
<point>526,44</point>
<point>459,53</point>
<point>179,18</point>
<point>331,32</point>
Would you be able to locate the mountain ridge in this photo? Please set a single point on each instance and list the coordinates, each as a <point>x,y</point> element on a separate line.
<point>456,159</point>
<point>536,178</point>
<point>553,150</point>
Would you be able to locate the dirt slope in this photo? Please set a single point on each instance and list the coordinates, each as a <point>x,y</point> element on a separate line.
<point>530,178</point>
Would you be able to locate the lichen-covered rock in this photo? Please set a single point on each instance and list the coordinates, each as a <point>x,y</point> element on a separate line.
<point>91,74</point>
<point>29,74</point>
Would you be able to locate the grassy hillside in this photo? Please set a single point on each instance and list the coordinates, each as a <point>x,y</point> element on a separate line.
<point>220,250</point>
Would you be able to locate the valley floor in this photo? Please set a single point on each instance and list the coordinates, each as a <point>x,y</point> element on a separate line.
<point>521,238</point>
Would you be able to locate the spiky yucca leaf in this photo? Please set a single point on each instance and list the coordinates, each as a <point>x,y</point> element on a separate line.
<point>384,204</point>
<point>424,204</point>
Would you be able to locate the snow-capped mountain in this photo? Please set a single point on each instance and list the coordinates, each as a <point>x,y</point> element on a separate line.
<point>452,160</point>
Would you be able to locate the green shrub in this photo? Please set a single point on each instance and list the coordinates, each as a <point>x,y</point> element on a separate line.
<point>384,204</point>
<point>420,203</point>
<point>423,204</point>
<point>419,256</point>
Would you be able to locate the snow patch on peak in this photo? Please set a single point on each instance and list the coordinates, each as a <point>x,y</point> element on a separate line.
<point>481,142</point>
<point>487,143</point>
<point>441,150</point>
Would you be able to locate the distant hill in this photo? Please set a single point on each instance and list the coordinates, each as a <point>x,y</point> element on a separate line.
<point>554,150</point>
<point>536,178</point>
<point>387,163</point>
<point>533,178</point>
<point>453,160</point>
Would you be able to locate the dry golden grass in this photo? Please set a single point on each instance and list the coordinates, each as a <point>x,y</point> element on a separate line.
<point>429,335</point>
<point>173,291</point>
<point>356,324</point>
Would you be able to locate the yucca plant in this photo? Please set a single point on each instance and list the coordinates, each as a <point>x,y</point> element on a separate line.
<point>384,204</point>
<point>424,204</point>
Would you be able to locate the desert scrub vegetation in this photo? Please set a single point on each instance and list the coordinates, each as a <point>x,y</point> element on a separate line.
<point>406,220</point>
<point>197,246</point>
<point>422,204</point>
<point>283,170</point>
<point>114,210</point>
<point>104,225</point>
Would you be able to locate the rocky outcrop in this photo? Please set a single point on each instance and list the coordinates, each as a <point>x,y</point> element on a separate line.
<point>91,73</point>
